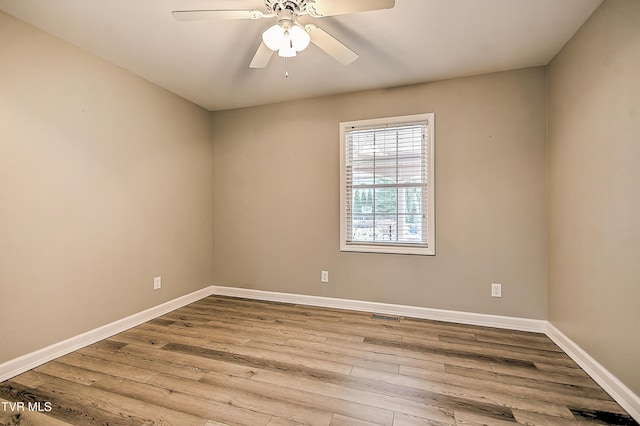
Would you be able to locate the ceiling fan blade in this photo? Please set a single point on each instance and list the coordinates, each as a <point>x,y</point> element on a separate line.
<point>262,57</point>
<point>329,44</point>
<point>197,15</point>
<point>340,7</point>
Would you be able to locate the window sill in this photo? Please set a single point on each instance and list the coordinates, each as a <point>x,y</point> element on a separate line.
<point>388,249</point>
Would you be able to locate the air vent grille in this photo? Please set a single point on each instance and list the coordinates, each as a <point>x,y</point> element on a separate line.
<point>385,317</point>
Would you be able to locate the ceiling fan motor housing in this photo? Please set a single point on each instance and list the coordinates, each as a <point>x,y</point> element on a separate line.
<point>286,19</point>
<point>295,6</point>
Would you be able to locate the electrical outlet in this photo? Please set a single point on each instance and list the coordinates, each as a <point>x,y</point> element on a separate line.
<point>496,290</point>
<point>157,283</point>
<point>324,276</point>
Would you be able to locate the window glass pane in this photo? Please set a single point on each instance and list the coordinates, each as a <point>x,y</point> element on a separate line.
<point>386,170</point>
<point>412,200</point>
<point>363,229</point>
<point>362,174</point>
<point>362,201</point>
<point>410,228</point>
<point>386,200</point>
<point>386,228</point>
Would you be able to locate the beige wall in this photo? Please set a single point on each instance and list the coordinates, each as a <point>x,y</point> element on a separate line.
<point>594,140</point>
<point>276,186</point>
<point>105,182</point>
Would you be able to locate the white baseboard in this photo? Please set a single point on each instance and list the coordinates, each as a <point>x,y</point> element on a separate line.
<point>486,320</point>
<point>614,387</point>
<point>31,360</point>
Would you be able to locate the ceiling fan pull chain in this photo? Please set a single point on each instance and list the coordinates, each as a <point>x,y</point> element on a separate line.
<point>286,67</point>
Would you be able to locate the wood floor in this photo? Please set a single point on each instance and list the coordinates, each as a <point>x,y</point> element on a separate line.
<point>225,361</point>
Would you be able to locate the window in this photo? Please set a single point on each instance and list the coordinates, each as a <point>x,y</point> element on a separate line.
<point>387,185</point>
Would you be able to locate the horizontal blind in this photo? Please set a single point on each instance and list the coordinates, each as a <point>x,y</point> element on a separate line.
<point>386,184</point>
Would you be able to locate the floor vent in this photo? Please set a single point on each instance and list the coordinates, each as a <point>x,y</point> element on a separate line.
<point>385,317</point>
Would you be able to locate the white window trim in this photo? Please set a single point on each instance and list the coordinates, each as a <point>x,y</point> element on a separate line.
<point>430,249</point>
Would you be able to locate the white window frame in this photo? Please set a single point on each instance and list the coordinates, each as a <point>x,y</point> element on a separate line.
<point>427,247</point>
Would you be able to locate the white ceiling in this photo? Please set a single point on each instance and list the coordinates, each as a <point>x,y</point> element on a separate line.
<point>207,62</point>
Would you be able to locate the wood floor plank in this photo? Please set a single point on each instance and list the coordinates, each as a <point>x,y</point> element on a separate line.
<point>507,347</point>
<point>339,420</point>
<point>276,330</point>
<point>231,361</point>
<point>612,417</point>
<point>292,330</point>
<point>357,394</point>
<point>524,343</point>
<point>78,359</point>
<point>68,372</point>
<point>137,338</point>
<point>306,398</point>
<point>483,352</point>
<point>331,330</point>
<point>274,352</point>
<point>366,354</point>
<point>186,360</point>
<point>405,328</point>
<point>498,397</point>
<point>484,376</point>
<point>323,355</point>
<point>116,405</point>
<point>568,369</point>
<point>170,329</point>
<point>286,309</point>
<point>461,358</point>
<point>545,396</point>
<point>205,407</point>
<point>262,314</point>
<point>478,330</point>
<point>537,419</point>
<point>246,399</point>
<point>259,359</point>
<point>128,356</point>
<point>544,376</point>
<point>464,418</point>
<point>400,419</point>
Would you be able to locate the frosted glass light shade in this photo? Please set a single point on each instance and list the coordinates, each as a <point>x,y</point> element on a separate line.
<point>286,51</point>
<point>299,37</point>
<point>273,37</point>
<point>286,42</point>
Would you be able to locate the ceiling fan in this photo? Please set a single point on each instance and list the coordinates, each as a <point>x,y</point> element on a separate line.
<point>287,36</point>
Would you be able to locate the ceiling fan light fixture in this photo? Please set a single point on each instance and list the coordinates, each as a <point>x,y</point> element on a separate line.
<point>287,40</point>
